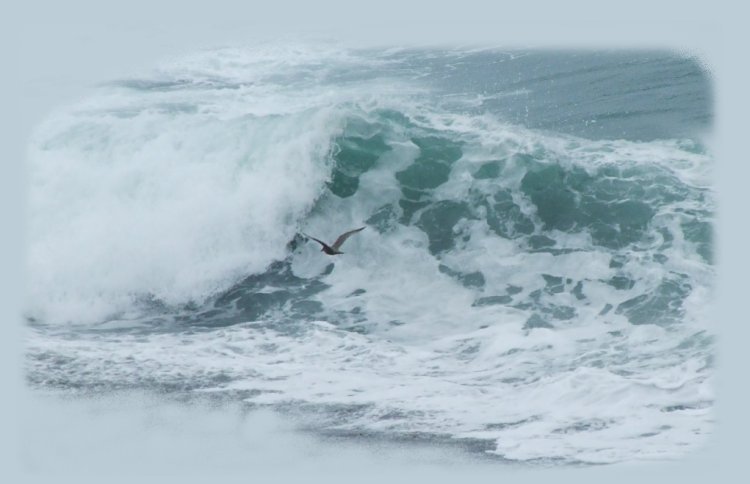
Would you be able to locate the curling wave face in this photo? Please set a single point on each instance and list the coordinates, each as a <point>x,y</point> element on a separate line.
<point>541,288</point>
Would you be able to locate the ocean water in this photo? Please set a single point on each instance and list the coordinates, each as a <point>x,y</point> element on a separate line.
<point>534,281</point>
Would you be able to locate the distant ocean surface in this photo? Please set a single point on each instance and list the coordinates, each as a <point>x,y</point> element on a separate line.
<point>534,282</point>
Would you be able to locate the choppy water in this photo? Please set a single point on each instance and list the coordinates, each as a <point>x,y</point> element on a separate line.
<point>535,277</point>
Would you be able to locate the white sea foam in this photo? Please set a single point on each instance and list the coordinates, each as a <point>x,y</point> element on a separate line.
<point>172,207</point>
<point>538,397</point>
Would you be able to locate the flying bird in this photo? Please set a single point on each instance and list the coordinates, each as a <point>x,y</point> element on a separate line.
<point>334,248</point>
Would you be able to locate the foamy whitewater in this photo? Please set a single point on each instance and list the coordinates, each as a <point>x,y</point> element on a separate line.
<point>534,281</point>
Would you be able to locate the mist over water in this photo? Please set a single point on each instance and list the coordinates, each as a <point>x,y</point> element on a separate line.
<point>534,281</point>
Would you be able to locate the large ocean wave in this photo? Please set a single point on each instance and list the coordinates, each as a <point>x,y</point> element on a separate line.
<point>543,291</point>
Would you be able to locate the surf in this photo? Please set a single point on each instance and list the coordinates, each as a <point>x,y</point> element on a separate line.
<point>500,258</point>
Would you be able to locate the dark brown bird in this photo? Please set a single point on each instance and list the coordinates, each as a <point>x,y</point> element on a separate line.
<point>334,248</point>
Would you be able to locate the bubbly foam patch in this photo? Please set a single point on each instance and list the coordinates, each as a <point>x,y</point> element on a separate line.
<point>549,396</point>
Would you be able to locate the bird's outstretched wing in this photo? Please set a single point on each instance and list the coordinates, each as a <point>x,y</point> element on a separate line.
<point>317,240</point>
<point>342,238</point>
